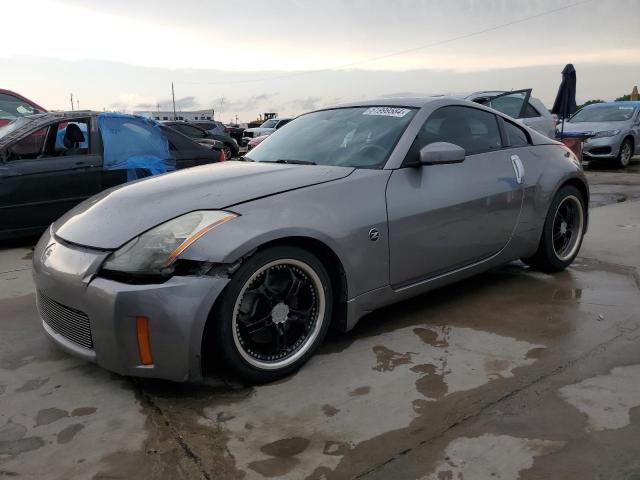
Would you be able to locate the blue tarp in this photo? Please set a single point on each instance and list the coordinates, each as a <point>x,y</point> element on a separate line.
<point>132,142</point>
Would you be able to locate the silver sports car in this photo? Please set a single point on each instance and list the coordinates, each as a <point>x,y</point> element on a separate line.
<point>245,265</point>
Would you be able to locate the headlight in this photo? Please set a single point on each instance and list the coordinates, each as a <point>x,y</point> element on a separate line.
<point>154,252</point>
<point>607,133</point>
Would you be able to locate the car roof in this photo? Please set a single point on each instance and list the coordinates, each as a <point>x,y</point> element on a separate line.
<point>414,102</point>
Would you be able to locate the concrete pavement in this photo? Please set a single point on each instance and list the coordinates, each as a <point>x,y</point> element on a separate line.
<point>512,374</point>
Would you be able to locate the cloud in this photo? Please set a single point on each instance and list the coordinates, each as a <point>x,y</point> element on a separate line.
<point>244,104</point>
<point>304,104</point>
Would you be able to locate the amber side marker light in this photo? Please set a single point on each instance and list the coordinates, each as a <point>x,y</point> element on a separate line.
<point>144,342</point>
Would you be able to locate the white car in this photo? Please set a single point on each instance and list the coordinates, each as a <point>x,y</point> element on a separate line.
<point>518,104</point>
<point>266,128</point>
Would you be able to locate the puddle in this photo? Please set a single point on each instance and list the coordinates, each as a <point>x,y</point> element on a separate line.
<point>381,383</point>
<point>606,399</point>
<point>56,413</point>
<point>490,457</point>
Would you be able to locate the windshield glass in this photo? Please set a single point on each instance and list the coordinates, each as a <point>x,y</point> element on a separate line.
<point>12,107</point>
<point>269,124</point>
<point>14,125</point>
<point>604,113</point>
<point>352,137</point>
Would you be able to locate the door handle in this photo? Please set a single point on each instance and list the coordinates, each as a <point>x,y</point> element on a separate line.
<point>81,166</point>
<point>518,167</point>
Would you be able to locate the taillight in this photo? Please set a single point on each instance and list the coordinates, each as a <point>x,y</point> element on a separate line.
<point>222,159</point>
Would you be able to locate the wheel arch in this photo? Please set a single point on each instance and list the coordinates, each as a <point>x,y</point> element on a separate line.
<point>331,262</point>
<point>584,191</point>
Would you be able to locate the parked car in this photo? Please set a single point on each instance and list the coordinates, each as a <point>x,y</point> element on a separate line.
<point>211,126</point>
<point>50,162</point>
<point>200,135</point>
<point>518,104</point>
<point>344,211</point>
<point>612,130</point>
<point>254,142</point>
<point>235,132</point>
<point>14,105</point>
<point>266,128</point>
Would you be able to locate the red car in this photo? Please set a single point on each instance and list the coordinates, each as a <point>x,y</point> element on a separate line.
<point>14,105</point>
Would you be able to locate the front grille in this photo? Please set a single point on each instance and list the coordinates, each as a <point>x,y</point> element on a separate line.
<point>70,323</point>
<point>247,134</point>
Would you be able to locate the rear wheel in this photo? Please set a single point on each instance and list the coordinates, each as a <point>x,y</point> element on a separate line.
<point>228,152</point>
<point>562,233</point>
<point>626,152</point>
<point>274,313</point>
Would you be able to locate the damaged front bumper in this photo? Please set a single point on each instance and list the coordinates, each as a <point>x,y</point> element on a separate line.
<point>95,318</point>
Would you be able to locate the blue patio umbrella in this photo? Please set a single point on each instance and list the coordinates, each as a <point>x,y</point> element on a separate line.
<point>565,103</point>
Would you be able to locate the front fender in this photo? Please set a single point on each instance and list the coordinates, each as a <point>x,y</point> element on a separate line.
<point>339,214</point>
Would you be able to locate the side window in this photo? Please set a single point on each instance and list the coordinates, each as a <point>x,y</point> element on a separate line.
<point>508,104</point>
<point>282,123</point>
<point>72,138</point>
<point>517,136</point>
<point>29,147</point>
<point>474,130</point>
<point>530,111</point>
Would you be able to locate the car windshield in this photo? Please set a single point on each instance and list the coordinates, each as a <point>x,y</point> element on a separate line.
<point>604,113</point>
<point>12,107</point>
<point>269,124</point>
<point>352,137</point>
<point>14,125</point>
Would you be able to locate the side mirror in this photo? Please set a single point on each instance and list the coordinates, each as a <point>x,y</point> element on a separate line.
<point>441,152</point>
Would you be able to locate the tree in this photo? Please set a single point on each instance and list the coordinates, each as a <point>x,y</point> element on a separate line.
<point>623,98</point>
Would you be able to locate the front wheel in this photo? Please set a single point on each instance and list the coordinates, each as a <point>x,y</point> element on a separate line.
<point>625,154</point>
<point>273,314</point>
<point>562,233</point>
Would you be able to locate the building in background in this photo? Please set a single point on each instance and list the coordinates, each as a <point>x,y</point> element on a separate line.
<point>168,115</point>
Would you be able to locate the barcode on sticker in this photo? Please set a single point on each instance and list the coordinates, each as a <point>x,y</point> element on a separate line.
<point>386,111</point>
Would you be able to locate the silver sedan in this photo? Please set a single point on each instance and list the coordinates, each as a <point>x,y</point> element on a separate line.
<point>344,210</point>
<point>613,131</point>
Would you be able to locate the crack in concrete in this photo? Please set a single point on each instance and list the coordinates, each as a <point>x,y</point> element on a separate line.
<point>599,348</point>
<point>188,451</point>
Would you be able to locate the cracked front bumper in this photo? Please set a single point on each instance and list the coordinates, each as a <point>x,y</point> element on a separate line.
<point>68,286</point>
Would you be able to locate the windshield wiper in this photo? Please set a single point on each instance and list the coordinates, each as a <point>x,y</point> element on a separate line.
<point>293,162</point>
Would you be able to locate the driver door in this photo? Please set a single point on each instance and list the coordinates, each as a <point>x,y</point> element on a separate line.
<point>39,183</point>
<point>444,217</point>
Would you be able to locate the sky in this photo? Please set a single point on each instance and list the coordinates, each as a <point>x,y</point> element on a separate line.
<point>291,56</point>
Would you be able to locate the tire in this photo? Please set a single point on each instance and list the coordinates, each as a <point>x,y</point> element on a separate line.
<point>625,153</point>
<point>550,256</point>
<point>228,152</point>
<point>262,287</point>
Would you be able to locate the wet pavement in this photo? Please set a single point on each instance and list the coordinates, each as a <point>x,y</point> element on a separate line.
<point>511,374</point>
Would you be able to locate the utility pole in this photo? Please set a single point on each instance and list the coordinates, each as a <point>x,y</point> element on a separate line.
<point>72,101</point>
<point>236,119</point>
<point>78,104</point>
<point>173,98</point>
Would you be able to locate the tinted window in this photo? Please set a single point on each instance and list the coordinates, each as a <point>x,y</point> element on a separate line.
<point>190,131</point>
<point>282,123</point>
<point>474,130</point>
<point>28,147</point>
<point>517,136</point>
<point>530,111</point>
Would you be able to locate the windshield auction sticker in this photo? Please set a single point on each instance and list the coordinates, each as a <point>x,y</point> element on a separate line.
<point>386,111</point>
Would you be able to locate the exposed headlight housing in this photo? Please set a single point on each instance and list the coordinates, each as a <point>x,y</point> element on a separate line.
<point>607,133</point>
<point>155,251</point>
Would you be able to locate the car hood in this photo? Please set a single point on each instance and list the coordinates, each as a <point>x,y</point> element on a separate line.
<point>113,217</point>
<point>581,127</point>
<point>260,130</point>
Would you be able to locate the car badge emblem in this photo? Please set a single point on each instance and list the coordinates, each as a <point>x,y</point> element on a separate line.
<point>374,235</point>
